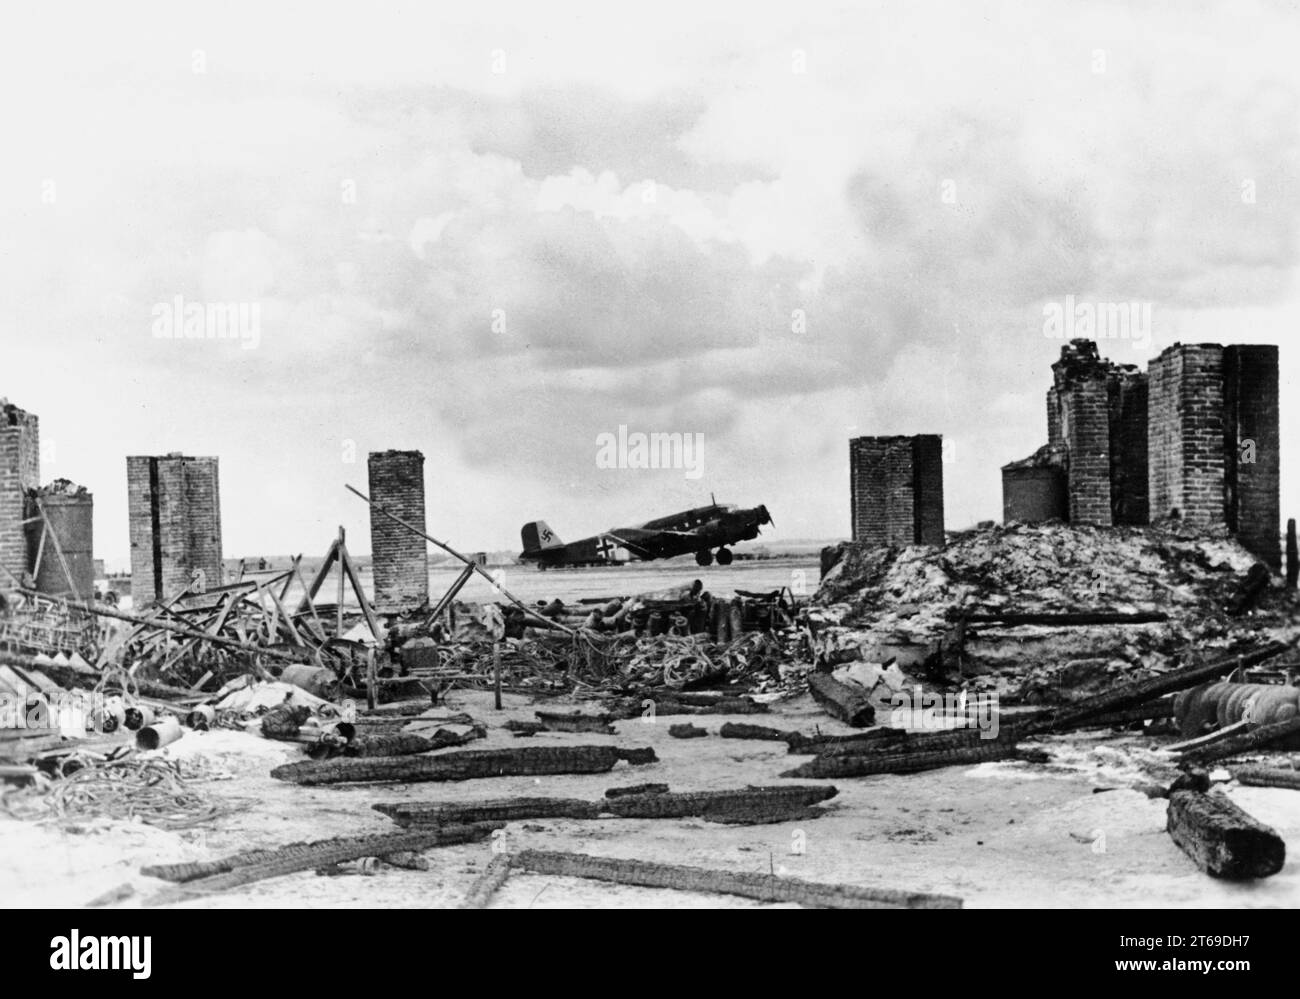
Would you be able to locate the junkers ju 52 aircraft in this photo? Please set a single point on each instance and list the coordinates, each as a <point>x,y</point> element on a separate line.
<point>699,530</point>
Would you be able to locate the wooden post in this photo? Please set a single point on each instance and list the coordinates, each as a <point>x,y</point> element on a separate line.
<point>1292,555</point>
<point>318,580</point>
<point>338,626</point>
<point>449,596</point>
<point>496,672</point>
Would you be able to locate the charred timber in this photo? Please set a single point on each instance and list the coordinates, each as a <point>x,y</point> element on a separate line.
<point>849,704</point>
<point>1222,839</point>
<point>1266,735</point>
<point>323,853</point>
<point>438,813</point>
<point>1268,777</point>
<point>705,804</point>
<point>763,887</point>
<point>488,883</point>
<point>1140,691</point>
<point>465,765</point>
<point>906,763</point>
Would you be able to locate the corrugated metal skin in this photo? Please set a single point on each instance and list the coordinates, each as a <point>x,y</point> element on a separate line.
<point>71,518</point>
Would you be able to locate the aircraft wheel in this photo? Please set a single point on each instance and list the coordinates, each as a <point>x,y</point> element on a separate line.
<point>704,558</point>
<point>724,556</point>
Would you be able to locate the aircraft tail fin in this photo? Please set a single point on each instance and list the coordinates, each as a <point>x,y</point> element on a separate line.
<point>537,537</point>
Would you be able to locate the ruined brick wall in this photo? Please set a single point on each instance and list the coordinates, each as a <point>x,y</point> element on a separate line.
<point>1054,417</point>
<point>927,497</point>
<point>20,471</point>
<point>1186,434</point>
<point>1086,429</point>
<point>1212,410</point>
<point>1097,414</point>
<point>1252,448</point>
<point>1128,449</point>
<point>400,558</point>
<point>174,511</point>
<point>896,490</point>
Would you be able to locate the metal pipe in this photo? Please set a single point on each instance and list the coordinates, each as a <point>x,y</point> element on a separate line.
<point>159,734</point>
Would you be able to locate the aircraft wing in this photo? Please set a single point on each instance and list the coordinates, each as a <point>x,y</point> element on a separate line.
<point>630,538</point>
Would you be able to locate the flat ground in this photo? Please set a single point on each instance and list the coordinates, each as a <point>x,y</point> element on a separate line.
<point>1000,834</point>
<point>528,583</point>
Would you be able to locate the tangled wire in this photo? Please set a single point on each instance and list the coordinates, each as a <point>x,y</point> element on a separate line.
<point>149,789</point>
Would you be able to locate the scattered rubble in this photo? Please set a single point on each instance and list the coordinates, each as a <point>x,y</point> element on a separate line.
<point>1045,632</point>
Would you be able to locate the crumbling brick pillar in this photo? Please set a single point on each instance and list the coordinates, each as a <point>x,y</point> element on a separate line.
<point>20,472</point>
<point>1186,434</point>
<point>174,511</point>
<point>1086,429</point>
<point>1054,417</point>
<point>896,490</point>
<point>400,558</point>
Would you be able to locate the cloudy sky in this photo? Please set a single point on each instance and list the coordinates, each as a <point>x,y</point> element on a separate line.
<point>494,232</point>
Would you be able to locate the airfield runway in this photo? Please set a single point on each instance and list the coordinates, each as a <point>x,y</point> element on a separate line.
<point>529,584</point>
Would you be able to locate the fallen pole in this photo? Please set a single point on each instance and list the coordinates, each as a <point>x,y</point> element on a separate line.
<point>762,887</point>
<point>1222,839</point>
<point>466,765</point>
<point>1219,735</point>
<point>902,742</point>
<point>180,629</point>
<point>1268,777</point>
<point>486,884</point>
<point>907,763</point>
<point>1140,691</point>
<point>646,802</point>
<point>1238,744</point>
<point>322,853</point>
<point>744,803</point>
<point>438,813</point>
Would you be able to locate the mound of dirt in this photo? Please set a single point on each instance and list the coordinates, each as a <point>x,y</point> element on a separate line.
<point>908,604</point>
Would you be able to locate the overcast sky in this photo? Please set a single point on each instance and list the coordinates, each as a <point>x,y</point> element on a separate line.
<point>494,232</point>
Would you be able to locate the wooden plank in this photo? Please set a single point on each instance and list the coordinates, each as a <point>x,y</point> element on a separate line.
<point>463,765</point>
<point>762,887</point>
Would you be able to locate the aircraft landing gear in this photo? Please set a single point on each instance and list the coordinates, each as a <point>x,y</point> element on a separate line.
<point>724,556</point>
<point>704,557</point>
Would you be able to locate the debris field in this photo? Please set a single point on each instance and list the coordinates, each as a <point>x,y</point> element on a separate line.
<point>1035,714</point>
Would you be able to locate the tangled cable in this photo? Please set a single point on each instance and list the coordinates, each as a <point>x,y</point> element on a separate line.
<point>149,789</point>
